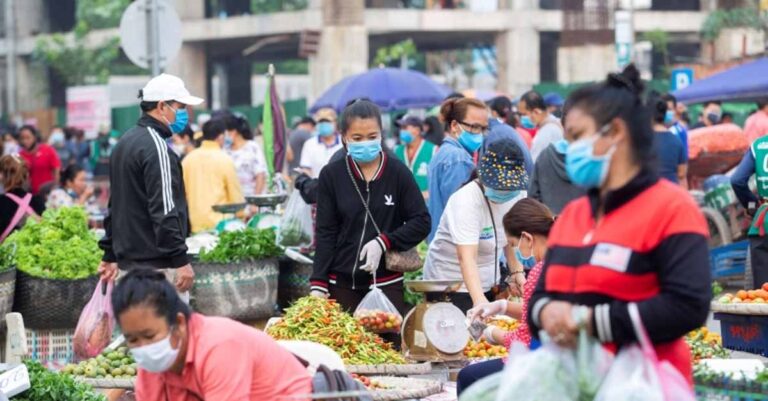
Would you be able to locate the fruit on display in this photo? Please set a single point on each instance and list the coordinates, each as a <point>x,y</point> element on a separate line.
<point>504,323</point>
<point>370,384</point>
<point>379,321</point>
<point>323,321</point>
<point>758,296</point>
<point>484,350</point>
<point>705,344</point>
<point>116,364</point>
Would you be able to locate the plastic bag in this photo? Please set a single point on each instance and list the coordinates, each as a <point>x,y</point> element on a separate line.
<point>637,374</point>
<point>296,227</point>
<point>96,323</point>
<point>377,313</point>
<point>484,389</point>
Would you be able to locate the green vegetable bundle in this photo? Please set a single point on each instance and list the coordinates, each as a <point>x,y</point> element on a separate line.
<point>60,246</point>
<point>245,245</point>
<point>51,386</point>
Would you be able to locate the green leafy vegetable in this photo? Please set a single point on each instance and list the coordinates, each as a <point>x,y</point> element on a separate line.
<point>717,289</point>
<point>244,245</point>
<point>60,246</point>
<point>51,386</point>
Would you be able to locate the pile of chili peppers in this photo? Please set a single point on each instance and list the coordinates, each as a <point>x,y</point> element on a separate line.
<point>323,322</point>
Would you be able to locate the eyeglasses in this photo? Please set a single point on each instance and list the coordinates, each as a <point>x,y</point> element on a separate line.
<point>474,128</point>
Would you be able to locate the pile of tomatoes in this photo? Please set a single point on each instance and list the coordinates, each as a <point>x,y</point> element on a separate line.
<point>379,322</point>
<point>483,350</point>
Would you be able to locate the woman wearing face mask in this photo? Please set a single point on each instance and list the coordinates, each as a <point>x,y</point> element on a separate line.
<point>466,122</point>
<point>671,155</point>
<point>74,189</point>
<point>527,226</point>
<point>42,160</point>
<point>185,356</point>
<point>247,155</point>
<point>632,239</point>
<point>470,238</point>
<point>414,151</point>
<point>351,241</point>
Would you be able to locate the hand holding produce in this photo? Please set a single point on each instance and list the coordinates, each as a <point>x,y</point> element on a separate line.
<point>485,311</point>
<point>371,255</point>
<point>379,321</point>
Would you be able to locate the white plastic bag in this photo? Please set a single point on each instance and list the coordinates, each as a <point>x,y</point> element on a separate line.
<point>637,374</point>
<point>377,313</point>
<point>296,227</point>
<point>484,389</point>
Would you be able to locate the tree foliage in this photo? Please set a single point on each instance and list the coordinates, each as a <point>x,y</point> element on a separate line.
<point>733,18</point>
<point>660,41</point>
<point>272,6</point>
<point>392,55</point>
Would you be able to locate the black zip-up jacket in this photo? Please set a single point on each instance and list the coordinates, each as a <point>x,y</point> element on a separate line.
<point>343,226</point>
<point>148,219</point>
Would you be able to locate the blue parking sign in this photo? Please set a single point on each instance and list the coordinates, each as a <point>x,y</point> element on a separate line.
<point>681,78</point>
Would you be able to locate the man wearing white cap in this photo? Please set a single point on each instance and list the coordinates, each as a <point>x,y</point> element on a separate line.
<point>148,218</point>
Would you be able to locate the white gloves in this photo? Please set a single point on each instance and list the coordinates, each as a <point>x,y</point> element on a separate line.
<point>372,253</point>
<point>488,335</point>
<point>318,294</point>
<point>487,310</point>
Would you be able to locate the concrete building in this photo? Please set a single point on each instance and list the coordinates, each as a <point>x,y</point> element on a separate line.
<point>532,38</point>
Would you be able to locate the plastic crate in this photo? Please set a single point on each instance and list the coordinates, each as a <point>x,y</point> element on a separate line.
<point>729,260</point>
<point>744,332</point>
<point>52,348</point>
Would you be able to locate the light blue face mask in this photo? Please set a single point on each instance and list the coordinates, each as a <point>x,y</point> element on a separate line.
<point>406,137</point>
<point>527,262</point>
<point>583,167</point>
<point>228,141</point>
<point>364,152</point>
<point>561,146</point>
<point>325,129</point>
<point>471,142</point>
<point>499,195</point>
<point>527,123</point>
<point>669,117</point>
<point>181,121</point>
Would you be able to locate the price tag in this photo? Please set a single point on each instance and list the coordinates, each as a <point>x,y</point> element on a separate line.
<point>14,381</point>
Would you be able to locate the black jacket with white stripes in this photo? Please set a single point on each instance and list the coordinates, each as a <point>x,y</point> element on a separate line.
<point>148,219</point>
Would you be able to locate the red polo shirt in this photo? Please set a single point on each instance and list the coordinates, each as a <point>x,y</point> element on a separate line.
<point>41,164</point>
<point>227,360</point>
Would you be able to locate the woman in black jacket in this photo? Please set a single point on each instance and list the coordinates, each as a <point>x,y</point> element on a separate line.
<point>350,246</point>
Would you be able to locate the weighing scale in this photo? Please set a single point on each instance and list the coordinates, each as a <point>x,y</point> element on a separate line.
<point>230,222</point>
<point>267,217</point>
<point>434,331</point>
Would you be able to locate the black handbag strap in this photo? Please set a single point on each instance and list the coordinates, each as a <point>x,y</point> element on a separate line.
<point>362,198</point>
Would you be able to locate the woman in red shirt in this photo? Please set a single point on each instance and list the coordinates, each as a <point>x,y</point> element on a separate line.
<point>185,356</point>
<point>42,160</point>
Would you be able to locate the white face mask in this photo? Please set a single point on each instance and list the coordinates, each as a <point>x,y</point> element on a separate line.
<point>156,357</point>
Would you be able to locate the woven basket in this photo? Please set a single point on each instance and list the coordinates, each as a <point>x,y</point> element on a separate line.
<point>402,388</point>
<point>7,290</point>
<point>393,370</point>
<point>243,291</point>
<point>293,282</point>
<point>49,304</point>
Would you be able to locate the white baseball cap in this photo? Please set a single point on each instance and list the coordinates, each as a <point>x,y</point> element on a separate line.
<point>165,87</point>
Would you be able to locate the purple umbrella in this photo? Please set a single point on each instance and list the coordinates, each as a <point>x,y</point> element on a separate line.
<point>390,88</point>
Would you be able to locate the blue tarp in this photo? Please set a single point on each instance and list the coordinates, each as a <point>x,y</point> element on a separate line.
<point>746,82</point>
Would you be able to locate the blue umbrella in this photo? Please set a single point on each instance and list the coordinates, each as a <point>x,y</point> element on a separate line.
<point>743,83</point>
<point>390,88</point>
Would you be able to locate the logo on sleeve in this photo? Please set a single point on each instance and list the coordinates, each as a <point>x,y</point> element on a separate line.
<point>388,200</point>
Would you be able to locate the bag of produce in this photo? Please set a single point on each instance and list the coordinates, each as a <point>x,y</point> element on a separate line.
<point>484,389</point>
<point>296,225</point>
<point>94,328</point>
<point>377,313</point>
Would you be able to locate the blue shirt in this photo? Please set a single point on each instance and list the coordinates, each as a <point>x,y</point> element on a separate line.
<point>498,131</point>
<point>740,180</point>
<point>681,132</point>
<point>671,154</point>
<point>450,168</point>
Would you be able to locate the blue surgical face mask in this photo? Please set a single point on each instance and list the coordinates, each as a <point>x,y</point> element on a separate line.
<point>181,121</point>
<point>583,167</point>
<point>228,141</point>
<point>527,123</point>
<point>499,195</point>
<point>364,152</point>
<point>471,142</point>
<point>528,262</point>
<point>406,137</point>
<point>561,146</point>
<point>325,129</point>
<point>669,117</point>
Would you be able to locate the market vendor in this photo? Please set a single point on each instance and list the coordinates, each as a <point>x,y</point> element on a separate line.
<point>353,234</point>
<point>470,238</point>
<point>632,239</point>
<point>754,163</point>
<point>185,356</point>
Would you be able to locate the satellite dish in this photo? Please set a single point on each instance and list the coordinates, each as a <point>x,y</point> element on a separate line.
<point>135,33</point>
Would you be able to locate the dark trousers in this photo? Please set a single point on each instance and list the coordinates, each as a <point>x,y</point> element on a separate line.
<point>472,373</point>
<point>349,299</point>
<point>461,300</point>
<point>758,250</point>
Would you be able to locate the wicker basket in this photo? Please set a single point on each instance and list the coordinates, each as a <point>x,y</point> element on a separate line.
<point>7,290</point>
<point>244,291</point>
<point>49,304</point>
<point>403,388</point>
<point>293,282</point>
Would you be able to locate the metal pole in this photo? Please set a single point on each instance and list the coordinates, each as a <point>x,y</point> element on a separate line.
<point>632,30</point>
<point>153,39</point>
<point>10,57</point>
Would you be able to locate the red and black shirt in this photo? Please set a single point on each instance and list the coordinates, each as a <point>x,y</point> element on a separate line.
<point>650,248</point>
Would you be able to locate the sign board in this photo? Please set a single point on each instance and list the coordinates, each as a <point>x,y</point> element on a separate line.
<point>14,381</point>
<point>624,34</point>
<point>137,35</point>
<point>88,108</point>
<point>681,78</point>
